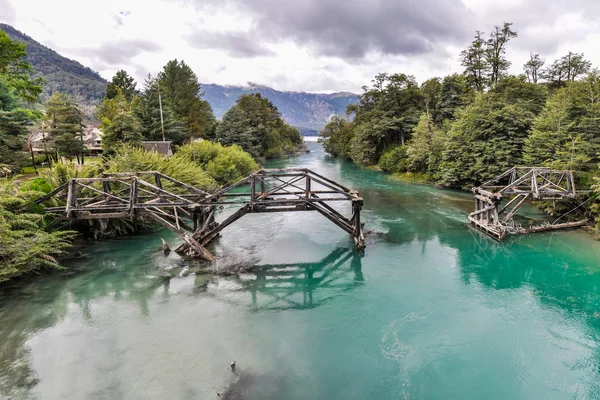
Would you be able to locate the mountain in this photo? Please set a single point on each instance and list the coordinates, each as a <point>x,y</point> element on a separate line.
<point>307,111</point>
<point>60,73</point>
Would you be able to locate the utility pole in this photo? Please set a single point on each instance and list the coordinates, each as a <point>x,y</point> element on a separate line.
<point>162,122</point>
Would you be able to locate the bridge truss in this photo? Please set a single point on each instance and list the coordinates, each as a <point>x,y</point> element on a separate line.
<point>514,187</point>
<point>190,212</point>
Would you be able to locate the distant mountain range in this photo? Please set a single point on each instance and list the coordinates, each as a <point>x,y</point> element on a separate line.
<point>60,73</point>
<point>307,111</point>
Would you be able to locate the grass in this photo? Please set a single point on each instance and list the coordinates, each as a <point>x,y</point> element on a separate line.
<point>412,177</point>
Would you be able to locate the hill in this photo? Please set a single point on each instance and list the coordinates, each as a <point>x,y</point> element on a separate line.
<point>307,111</point>
<point>60,73</point>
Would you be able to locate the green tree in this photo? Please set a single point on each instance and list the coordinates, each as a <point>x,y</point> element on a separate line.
<point>496,49</point>
<point>336,137</point>
<point>432,92</point>
<point>474,59</point>
<point>18,73</point>
<point>567,133</point>
<point>63,122</point>
<point>121,83</point>
<point>533,68</point>
<point>453,95</point>
<point>148,112</point>
<point>567,69</point>
<point>255,124</point>
<point>486,139</point>
<point>180,89</point>
<point>124,128</point>
<point>425,150</point>
<point>552,130</point>
<point>14,124</point>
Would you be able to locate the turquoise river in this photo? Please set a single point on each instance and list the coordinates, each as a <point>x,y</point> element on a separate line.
<point>432,310</point>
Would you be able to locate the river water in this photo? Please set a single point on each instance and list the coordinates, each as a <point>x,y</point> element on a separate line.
<point>432,310</point>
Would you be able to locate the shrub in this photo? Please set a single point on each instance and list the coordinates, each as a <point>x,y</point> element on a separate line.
<point>183,169</point>
<point>225,164</point>
<point>394,160</point>
<point>24,246</point>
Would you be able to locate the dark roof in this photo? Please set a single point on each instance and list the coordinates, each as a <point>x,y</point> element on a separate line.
<point>159,147</point>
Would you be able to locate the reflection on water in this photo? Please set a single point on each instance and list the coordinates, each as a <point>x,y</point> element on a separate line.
<point>290,286</point>
<point>433,310</point>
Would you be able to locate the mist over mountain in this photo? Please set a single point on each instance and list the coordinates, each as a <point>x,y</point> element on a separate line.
<point>307,111</point>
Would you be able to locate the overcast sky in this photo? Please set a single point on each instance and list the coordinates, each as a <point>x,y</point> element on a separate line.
<point>301,45</point>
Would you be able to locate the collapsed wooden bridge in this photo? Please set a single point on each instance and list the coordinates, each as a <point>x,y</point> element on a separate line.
<point>518,185</point>
<point>190,212</point>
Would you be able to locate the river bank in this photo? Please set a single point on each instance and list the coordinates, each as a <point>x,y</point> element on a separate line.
<point>433,309</point>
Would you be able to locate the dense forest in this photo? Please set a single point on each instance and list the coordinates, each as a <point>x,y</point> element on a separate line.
<point>463,129</point>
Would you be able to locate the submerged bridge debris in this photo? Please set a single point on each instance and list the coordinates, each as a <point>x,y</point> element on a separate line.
<point>190,212</point>
<point>516,186</point>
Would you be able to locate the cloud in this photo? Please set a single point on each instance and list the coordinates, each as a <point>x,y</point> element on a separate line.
<point>116,52</point>
<point>353,28</point>
<point>235,44</point>
<point>7,12</point>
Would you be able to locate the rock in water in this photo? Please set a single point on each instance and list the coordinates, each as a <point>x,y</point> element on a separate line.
<point>165,246</point>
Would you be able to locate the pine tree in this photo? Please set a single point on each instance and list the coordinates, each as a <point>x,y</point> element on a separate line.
<point>121,83</point>
<point>180,89</point>
<point>148,112</point>
<point>63,123</point>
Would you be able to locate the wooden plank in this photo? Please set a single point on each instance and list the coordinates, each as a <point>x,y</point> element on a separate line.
<point>564,225</point>
<point>52,193</point>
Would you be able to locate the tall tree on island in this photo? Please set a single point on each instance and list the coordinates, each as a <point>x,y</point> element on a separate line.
<point>180,90</point>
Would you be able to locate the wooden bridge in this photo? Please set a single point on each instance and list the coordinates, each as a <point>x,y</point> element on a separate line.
<point>190,212</point>
<point>518,185</point>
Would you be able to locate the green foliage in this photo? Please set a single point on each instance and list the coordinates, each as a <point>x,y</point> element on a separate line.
<point>64,170</point>
<point>147,111</point>
<point>394,160</point>
<point>61,74</point>
<point>128,158</point>
<point>566,69</point>
<point>425,150</point>
<point>225,164</point>
<point>180,90</point>
<point>453,95</point>
<point>485,140</point>
<point>14,124</point>
<point>255,124</point>
<point>386,116</point>
<point>64,125</point>
<point>122,84</point>
<point>567,132</point>
<point>24,246</point>
<point>533,68</point>
<point>336,137</point>
<point>16,71</point>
